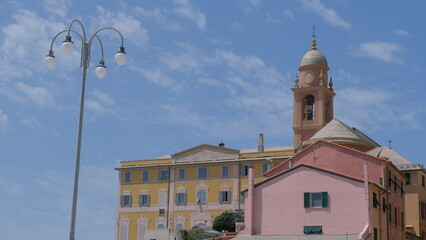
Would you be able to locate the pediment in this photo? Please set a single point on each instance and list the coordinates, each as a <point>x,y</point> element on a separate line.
<point>205,153</point>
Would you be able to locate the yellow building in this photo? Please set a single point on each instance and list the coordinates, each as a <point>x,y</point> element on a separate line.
<point>187,188</point>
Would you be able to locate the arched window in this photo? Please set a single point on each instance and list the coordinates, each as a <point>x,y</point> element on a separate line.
<point>160,226</point>
<point>201,196</point>
<point>309,108</point>
<point>179,226</point>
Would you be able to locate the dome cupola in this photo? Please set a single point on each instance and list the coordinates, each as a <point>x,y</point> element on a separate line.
<point>313,57</point>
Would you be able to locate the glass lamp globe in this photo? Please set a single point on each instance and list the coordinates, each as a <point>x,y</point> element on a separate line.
<point>50,62</point>
<point>101,70</point>
<point>67,46</point>
<point>121,57</point>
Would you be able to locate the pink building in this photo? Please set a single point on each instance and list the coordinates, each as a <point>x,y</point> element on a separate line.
<point>327,190</point>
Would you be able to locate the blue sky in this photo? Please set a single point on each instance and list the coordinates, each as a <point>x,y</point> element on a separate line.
<point>198,72</point>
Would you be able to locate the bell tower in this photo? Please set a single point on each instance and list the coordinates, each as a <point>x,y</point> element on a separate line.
<point>313,96</point>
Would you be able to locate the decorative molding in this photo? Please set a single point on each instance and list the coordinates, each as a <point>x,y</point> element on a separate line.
<point>205,153</point>
<point>180,219</point>
<point>181,189</point>
<point>224,187</point>
<point>142,226</point>
<point>160,220</point>
<point>201,218</point>
<point>144,192</point>
<point>127,192</point>
<point>124,227</point>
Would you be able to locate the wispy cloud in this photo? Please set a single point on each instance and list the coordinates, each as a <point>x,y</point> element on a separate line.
<point>41,96</point>
<point>100,104</point>
<point>383,51</point>
<point>4,123</point>
<point>364,114</point>
<point>11,188</point>
<point>160,16</point>
<point>31,121</point>
<point>401,32</point>
<point>57,7</point>
<point>328,14</point>
<point>185,9</point>
<point>128,25</point>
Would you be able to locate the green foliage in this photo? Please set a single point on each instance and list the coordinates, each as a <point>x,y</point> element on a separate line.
<point>225,221</point>
<point>193,234</point>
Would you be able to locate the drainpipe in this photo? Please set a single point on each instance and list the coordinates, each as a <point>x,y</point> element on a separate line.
<point>168,198</point>
<point>367,197</point>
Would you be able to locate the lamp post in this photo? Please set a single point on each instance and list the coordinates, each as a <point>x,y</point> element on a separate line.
<point>50,61</point>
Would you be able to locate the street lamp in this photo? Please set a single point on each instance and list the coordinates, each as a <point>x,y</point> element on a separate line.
<point>50,62</point>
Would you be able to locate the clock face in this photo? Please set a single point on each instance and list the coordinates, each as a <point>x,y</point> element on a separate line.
<point>309,77</point>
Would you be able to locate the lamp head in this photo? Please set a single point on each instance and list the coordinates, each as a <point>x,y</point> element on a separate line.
<point>67,45</point>
<point>101,70</point>
<point>49,60</point>
<point>121,57</point>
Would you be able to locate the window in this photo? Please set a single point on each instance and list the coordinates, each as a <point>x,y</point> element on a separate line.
<point>162,212</point>
<point>180,198</point>
<point>127,177</point>
<point>396,216</point>
<point>265,167</point>
<point>163,174</point>
<point>145,176</point>
<point>182,173</point>
<point>316,200</point>
<point>126,201</point>
<point>201,196</point>
<point>224,196</point>
<point>423,181</point>
<point>160,226</point>
<point>179,226</point>
<point>143,200</point>
<point>384,204</point>
<point>225,171</point>
<point>376,236</point>
<point>309,106</point>
<point>394,183</point>
<point>202,172</point>
<point>276,164</point>
<point>241,197</point>
<point>244,170</point>
<point>390,179</point>
<point>312,229</point>
<point>375,201</point>
<point>408,176</point>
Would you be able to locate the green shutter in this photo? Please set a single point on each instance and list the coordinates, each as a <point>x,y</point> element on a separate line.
<point>324,199</point>
<point>307,200</point>
<point>307,229</point>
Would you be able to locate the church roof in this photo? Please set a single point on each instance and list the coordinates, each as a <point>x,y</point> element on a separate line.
<point>313,57</point>
<point>390,154</point>
<point>338,132</point>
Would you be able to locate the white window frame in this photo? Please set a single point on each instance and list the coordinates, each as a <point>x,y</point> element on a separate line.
<point>201,198</point>
<point>180,198</point>
<point>163,174</point>
<point>224,196</point>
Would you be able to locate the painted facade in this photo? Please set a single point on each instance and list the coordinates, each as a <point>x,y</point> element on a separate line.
<point>188,188</point>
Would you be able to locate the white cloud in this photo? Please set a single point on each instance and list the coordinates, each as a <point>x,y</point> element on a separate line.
<point>373,108</point>
<point>10,188</point>
<point>185,9</point>
<point>57,7</point>
<point>4,123</point>
<point>39,95</point>
<point>129,27</point>
<point>384,51</point>
<point>290,14</point>
<point>100,104</point>
<point>160,78</point>
<point>401,32</point>
<point>328,14</point>
<point>160,17</point>
<point>31,121</point>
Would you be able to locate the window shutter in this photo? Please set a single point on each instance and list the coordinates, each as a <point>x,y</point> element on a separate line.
<point>177,198</point>
<point>148,199</point>
<point>324,199</point>
<point>140,200</point>
<point>184,198</point>
<point>130,201</point>
<point>122,201</point>
<point>307,200</point>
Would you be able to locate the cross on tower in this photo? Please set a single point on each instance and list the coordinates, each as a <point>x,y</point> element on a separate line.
<point>390,143</point>
<point>313,30</point>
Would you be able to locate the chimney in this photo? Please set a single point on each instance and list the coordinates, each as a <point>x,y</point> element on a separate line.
<point>260,147</point>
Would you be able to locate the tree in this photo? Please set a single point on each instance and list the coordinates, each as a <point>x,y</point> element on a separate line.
<point>225,221</point>
<point>193,234</point>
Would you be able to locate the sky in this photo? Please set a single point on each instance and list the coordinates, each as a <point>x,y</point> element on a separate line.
<point>198,72</point>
